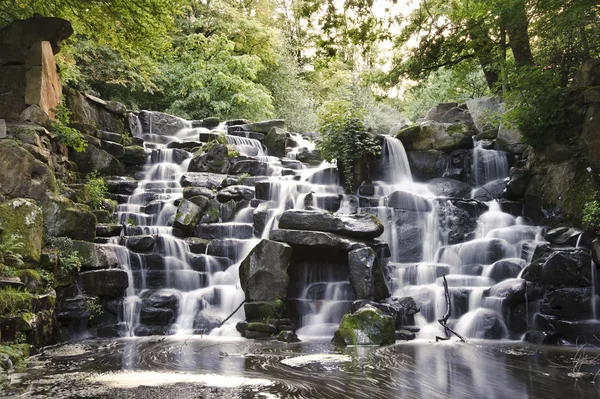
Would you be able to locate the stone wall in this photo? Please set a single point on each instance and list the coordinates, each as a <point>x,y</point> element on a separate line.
<point>28,72</point>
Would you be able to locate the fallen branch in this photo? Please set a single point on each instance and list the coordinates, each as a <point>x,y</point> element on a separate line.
<point>234,312</point>
<point>444,320</point>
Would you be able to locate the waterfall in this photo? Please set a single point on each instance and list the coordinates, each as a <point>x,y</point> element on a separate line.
<point>395,161</point>
<point>488,165</point>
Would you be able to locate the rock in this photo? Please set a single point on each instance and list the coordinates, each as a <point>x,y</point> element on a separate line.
<point>367,326</point>
<point>484,324</point>
<point>261,216</point>
<point>457,115</point>
<point>408,202</point>
<point>505,269</point>
<point>257,335</point>
<point>160,123</point>
<point>142,330</point>
<point>22,220</point>
<point>406,308</point>
<point>187,217</point>
<point>397,127</point>
<point>517,184</point>
<point>95,159</point>
<point>140,243</point>
<point>589,141</point>
<point>490,191</point>
<point>121,186</point>
<point>88,110</point>
<point>134,155</point>
<point>311,157</point>
<point>275,142</point>
<point>235,193</point>
<point>261,327</point>
<point>288,336</point>
<point>190,192</point>
<point>437,113</point>
<point>116,108</point>
<point>2,129</point>
<point>315,239</point>
<point>455,224</point>
<point>366,188</point>
<point>567,268</point>
<point>509,138</point>
<point>484,111</point>
<point>260,311</point>
<point>426,165</point>
<point>35,114</point>
<point>405,335</point>
<point>108,230</point>
<point>264,126</point>
<point>563,236</point>
<point>263,274</point>
<point>95,256</point>
<point>156,316</point>
<point>596,251</point>
<point>542,338</point>
<point>112,282</point>
<point>588,75</point>
<point>570,303</point>
<point>357,226</point>
<point>252,167</point>
<point>366,275</point>
<point>445,187</point>
<point>63,218</point>
<point>516,291</point>
<point>215,160</point>
<point>21,175</point>
<point>437,136</point>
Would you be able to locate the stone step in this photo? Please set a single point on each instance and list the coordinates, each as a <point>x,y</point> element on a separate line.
<point>108,230</point>
<point>183,280</point>
<point>124,186</point>
<point>225,230</point>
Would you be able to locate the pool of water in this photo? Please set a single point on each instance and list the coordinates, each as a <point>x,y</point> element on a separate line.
<point>206,367</point>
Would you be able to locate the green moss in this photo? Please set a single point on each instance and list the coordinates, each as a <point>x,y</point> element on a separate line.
<point>13,300</point>
<point>23,219</point>
<point>410,131</point>
<point>261,327</point>
<point>458,128</point>
<point>17,353</point>
<point>370,322</point>
<point>213,213</point>
<point>271,311</point>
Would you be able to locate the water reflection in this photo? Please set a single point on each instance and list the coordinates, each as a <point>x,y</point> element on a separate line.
<point>207,367</point>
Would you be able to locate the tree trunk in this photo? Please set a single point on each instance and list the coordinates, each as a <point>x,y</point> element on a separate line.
<point>515,20</point>
<point>484,49</point>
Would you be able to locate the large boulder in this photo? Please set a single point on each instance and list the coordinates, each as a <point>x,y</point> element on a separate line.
<point>367,326</point>
<point>484,323</point>
<point>22,221</point>
<point>202,180</point>
<point>275,142</point>
<point>517,183</point>
<point>570,303</point>
<point>215,160</point>
<point>160,123</point>
<point>311,157</point>
<point>446,187</point>
<point>426,165</point>
<point>63,218</point>
<point>515,291</point>
<point>262,127</point>
<point>90,110</point>
<point>94,256</point>
<point>490,191</point>
<point>263,273</point>
<point>94,159</point>
<point>590,136</point>
<point>21,175</point>
<point>361,226</point>
<point>484,110</point>
<point>445,137</point>
<point>437,112</point>
<point>366,275</point>
<point>109,282</point>
<point>567,269</point>
<point>235,193</point>
<point>317,239</point>
<point>408,202</point>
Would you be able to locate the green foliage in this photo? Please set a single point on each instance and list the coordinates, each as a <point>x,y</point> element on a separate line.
<point>10,248</point>
<point>17,353</point>
<point>231,151</point>
<point>68,257</point>
<point>94,191</point>
<point>591,215</point>
<point>13,300</point>
<point>93,308</point>
<point>344,138</point>
<point>131,222</point>
<point>70,137</point>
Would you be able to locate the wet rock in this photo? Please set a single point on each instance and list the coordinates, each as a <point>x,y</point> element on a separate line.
<point>437,112</point>
<point>316,239</point>
<point>410,243</point>
<point>563,236</point>
<point>366,188</point>
<point>263,274</point>
<point>215,160</point>
<point>213,231</point>
<point>366,275</point>
<point>490,191</point>
<point>357,226</point>
<point>505,269</point>
<point>190,192</point>
<point>288,336</point>
<point>482,251</point>
<point>187,216</point>
<point>445,137</point>
<point>427,165</point>
<point>156,316</point>
<point>367,326</point>
<point>160,123</point>
<point>275,141</point>
<point>22,220</point>
<point>446,187</point>
<point>252,167</point>
<point>261,327</point>
<point>257,335</point>
<point>63,218</point>
<point>455,224</point>
<point>515,291</point>
<point>457,115</point>
<point>140,243</point>
<point>484,324</point>
<point>121,186</point>
<point>408,201</point>
<point>261,215</point>
<point>202,180</point>
<point>404,335</point>
<point>235,193</point>
<point>560,268</point>
<point>263,126</point>
<point>94,256</point>
<point>163,299</point>
<point>311,157</point>
<point>517,183</point>
<point>241,327</point>
<point>579,332</point>
<point>108,230</point>
<point>134,155</point>
<point>261,310</point>
<point>142,330</point>
<point>406,308</point>
<point>197,245</point>
<point>542,338</point>
<point>204,322</point>
<point>570,303</point>
<point>112,282</point>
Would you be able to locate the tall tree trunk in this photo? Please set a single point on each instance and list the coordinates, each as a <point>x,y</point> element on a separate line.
<point>515,20</point>
<point>485,49</point>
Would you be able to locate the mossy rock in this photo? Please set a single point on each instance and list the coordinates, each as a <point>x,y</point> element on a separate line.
<point>64,218</point>
<point>442,136</point>
<point>17,353</point>
<point>264,311</point>
<point>23,222</point>
<point>366,326</point>
<point>275,142</point>
<point>261,327</point>
<point>14,301</point>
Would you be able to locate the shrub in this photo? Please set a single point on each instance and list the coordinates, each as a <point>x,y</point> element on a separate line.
<point>70,137</point>
<point>94,191</point>
<point>344,138</point>
<point>591,215</point>
<point>68,257</point>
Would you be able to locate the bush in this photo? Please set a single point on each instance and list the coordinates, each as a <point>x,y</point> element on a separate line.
<point>70,137</point>
<point>344,138</point>
<point>591,215</point>
<point>68,257</point>
<point>94,191</point>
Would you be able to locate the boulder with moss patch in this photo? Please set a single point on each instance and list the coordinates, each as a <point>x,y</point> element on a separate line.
<point>64,218</point>
<point>366,326</point>
<point>263,274</point>
<point>23,223</point>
